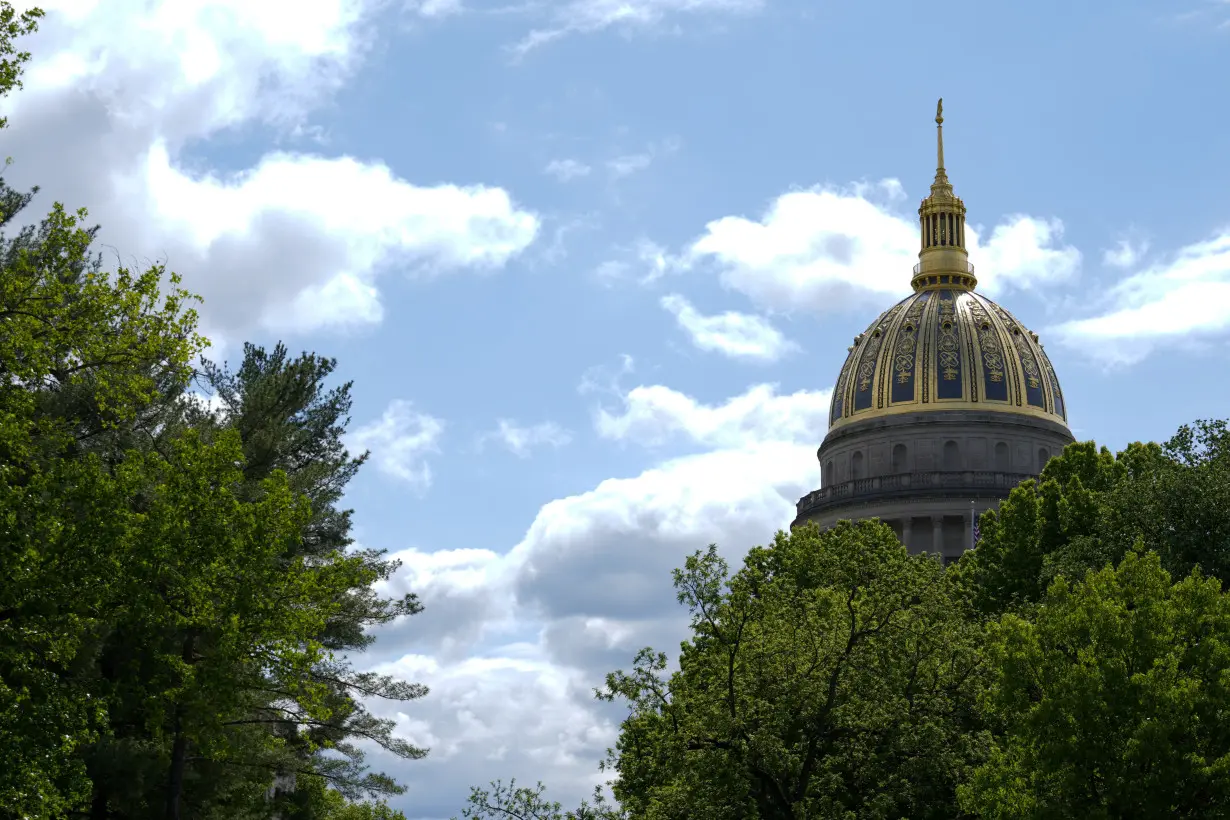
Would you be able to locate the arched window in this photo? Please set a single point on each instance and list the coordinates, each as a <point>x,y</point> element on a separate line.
<point>856,464</point>
<point>900,459</point>
<point>828,477</point>
<point>1043,457</point>
<point>952,456</point>
<point>1002,460</point>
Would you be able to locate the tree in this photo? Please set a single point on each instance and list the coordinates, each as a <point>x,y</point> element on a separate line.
<point>289,420</point>
<point>829,677</point>
<point>103,343</point>
<point>1089,507</point>
<point>286,420</point>
<point>1112,700</point>
<point>501,802</point>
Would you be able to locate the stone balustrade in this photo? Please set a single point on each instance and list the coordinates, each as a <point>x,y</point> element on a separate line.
<point>932,484</point>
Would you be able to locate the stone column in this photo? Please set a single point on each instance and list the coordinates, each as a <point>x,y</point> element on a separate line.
<point>937,534</point>
<point>969,529</point>
<point>907,529</point>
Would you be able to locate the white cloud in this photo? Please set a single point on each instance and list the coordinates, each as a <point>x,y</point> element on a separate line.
<point>465,598</point>
<point>587,586</point>
<point>1165,303</point>
<point>653,415</point>
<point>628,164</point>
<point>399,442</point>
<point>434,9</point>
<point>1023,252</point>
<point>589,16</point>
<point>1125,254</point>
<point>293,242</point>
<point>644,261</point>
<point>521,440</point>
<point>566,170</point>
<point>823,248</point>
<point>733,334</point>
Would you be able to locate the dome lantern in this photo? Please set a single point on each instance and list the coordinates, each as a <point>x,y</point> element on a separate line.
<point>943,260</point>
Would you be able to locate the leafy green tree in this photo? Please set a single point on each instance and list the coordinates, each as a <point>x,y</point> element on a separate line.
<point>287,420</point>
<point>1112,700</point>
<point>829,677</point>
<point>65,331</point>
<point>1088,509</point>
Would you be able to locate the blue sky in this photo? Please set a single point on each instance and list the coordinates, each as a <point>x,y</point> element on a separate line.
<point>593,267</point>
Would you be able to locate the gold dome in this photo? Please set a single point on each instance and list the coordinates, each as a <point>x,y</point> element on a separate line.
<point>945,347</point>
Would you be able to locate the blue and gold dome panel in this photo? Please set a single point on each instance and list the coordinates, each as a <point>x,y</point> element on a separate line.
<point>946,349</point>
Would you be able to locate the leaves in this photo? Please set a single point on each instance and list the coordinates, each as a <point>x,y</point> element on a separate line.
<point>827,678</point>
<point>1112,699</point>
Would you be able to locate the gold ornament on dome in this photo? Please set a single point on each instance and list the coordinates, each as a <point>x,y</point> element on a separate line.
<point>949,345</point>
<point>907,342</point>
<point>988,342</point>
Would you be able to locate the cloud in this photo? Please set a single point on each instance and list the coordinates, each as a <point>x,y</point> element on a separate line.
<point>655,415</point>
<point>399,442</point>
<point>590,16</point>
<point>566,170</point>
<point>826,248</point>
<point>586,587</point>
<point>643,261</point>
<point>733,334</point>
<point>1125,254</point>
<point>291,242</point>
<point>521,440</point>
<point>464,595</point>
<point>513,715</point>
<point>1165,303</point>
<point>628,164</point>
<point>434,9</point>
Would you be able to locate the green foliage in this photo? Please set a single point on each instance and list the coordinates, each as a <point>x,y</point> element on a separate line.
<point>1113,700</point>
<point>827,678</point>
<point>1089,508</point>
<point>108,343</point>
<point>501,802</point>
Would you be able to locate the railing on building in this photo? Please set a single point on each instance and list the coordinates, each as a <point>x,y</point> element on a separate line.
<point>901,484</point>
<point>969,268</point>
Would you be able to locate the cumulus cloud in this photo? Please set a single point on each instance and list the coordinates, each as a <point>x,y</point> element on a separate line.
<point>400,441</point>
<point>590,16</point>
<point>587,586</point>
<point>653,415</point>
<point>465,598</point>
<point>824,248</point>
<point>521,440</point>
<point>117,95</point>
<point>733,334</point>
<point>505,716</point>
<point>1165,303</point>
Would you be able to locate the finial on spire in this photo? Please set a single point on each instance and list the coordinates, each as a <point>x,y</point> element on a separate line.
<point>939,137</point>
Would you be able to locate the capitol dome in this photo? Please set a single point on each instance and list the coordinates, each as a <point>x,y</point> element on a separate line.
<point>946,347</point>
<point>944,404</point>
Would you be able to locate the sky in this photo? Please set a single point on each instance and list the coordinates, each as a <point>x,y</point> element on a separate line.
<point>593,266</point>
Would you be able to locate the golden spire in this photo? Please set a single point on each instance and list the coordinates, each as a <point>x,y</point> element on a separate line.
<point>942,259</point>
<point>941,175</point>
